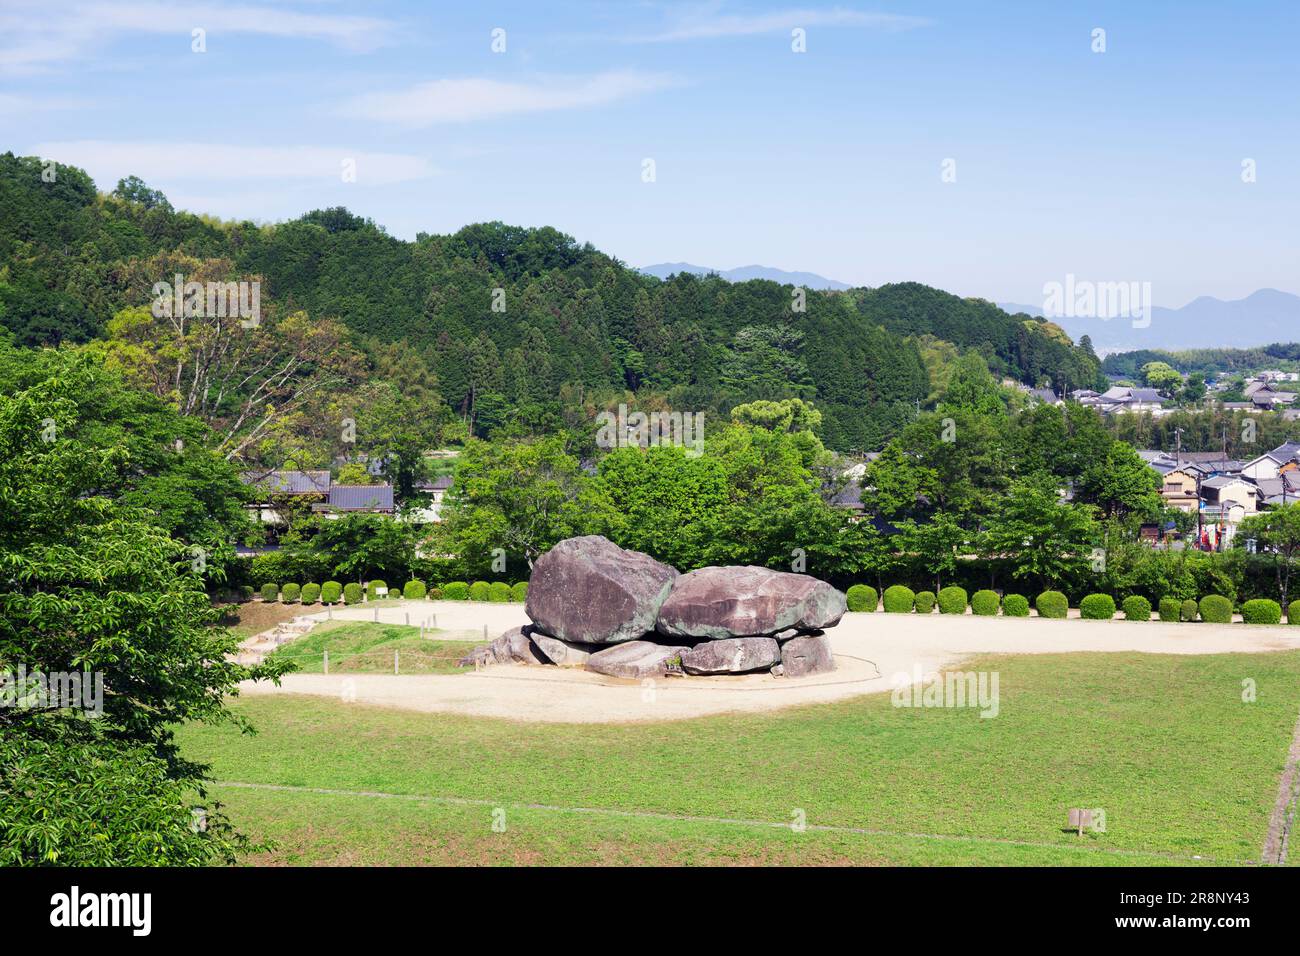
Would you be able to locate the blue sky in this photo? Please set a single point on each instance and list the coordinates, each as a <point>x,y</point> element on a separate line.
<point>1115,166</point>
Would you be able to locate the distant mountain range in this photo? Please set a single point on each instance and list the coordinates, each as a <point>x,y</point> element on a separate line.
<point>809,280</point>
<point>1263,317</point>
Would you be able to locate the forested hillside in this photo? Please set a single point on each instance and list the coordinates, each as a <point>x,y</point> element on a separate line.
<point>1215,362</point>
<point>521,331</point>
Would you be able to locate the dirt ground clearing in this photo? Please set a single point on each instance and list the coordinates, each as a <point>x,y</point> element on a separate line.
<point>872,653</point>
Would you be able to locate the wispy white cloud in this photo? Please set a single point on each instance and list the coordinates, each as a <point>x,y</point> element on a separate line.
<point>37,35</point>
<point>170,162</point>
<point>465,100</point>
<point>707,22</point>
<point>12,104</point>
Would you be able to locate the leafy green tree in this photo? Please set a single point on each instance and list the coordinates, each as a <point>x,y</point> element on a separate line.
<point>774,505</point>
<point>972,387</point>
<point>1162,376</point>
<point>1063,440</point>
<point>91,586</point>
<point>1194,390</point>
<point>357,546</point>
<point>955,462</point>
<point>872,552</point>
<point>133,189</point>
<point>522,496</point>
<point>1048,539</point>
<point>169,465</point>
<point>1121,484</point>
<point>1277,532</point>
<point>793,415</point>
<point>354,473</point>
<point>938,542</point>
<point>670,505</point>
<point>748,499</point>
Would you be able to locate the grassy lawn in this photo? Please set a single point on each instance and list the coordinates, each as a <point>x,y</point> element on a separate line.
<point>1183,767</point>
<point>363,647</point>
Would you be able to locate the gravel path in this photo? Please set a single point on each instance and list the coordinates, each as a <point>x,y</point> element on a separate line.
<point>872,653</point>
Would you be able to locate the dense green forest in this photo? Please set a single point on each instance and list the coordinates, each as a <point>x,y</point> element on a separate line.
<point>514,330</point>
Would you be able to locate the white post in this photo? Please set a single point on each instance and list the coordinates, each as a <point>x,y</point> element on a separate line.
<point>327,661</point>
<point>394,662</point>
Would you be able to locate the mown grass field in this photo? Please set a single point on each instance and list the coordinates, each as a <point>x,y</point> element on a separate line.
<point>1186,771</point>
<point>364,647</point>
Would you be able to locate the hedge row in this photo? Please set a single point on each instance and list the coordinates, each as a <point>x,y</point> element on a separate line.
<point>331,592</point>
<point>1212,608</point>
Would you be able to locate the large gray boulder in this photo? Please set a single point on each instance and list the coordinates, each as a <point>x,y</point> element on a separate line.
<point>719,603</point>
<point>732,655</point>
<point>561,652</point>
<point>633,660</point>
<point>513,647</point>
<point>809,654</point>
<point>590,591</point>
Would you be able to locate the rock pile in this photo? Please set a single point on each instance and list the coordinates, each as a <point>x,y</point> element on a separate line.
<point>622,613</point>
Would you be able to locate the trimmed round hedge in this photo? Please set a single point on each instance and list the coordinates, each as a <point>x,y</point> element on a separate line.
<point>1261,611</point>
<point>1137,608</point>
<point>499,592</point>
<point>1188,611</point>
<point>1293,613</point>
<point>246,592</point>
<point>480,591</point>
<point>414,590</point>
<point>372,589</point>
<point>330,592</point>
<point>352,593</point>
<point>456,591</point>
<point>1098,607</point>
<point>861,597</point>
<point>1216,609</point>
<point>1052,604</point>
<point>519,592</point>
<point>952,600</point>
<point>899,599</point>
<point>924,602</point>
<point>985,603</point>
<point>310,593</point>
<point>1170,609</point>
<point>270,592</point>
<point>289,593</point>
<point>1015,605</point>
